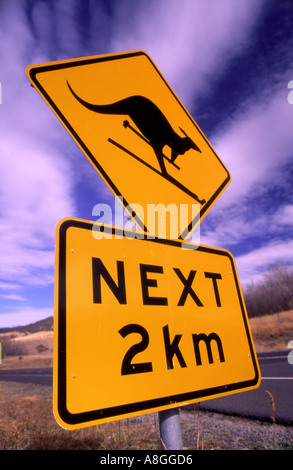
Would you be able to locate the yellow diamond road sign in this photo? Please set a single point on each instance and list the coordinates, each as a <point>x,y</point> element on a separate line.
<point>144,325</point>
<point>135,132</point>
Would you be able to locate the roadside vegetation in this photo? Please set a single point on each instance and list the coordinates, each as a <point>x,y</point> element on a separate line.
<point>273,294</point>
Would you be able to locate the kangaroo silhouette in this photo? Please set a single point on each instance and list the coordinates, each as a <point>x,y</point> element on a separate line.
<point>150,121</point>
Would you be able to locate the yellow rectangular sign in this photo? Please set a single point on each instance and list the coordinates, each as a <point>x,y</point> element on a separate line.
<point>136,133</point>
<point>144,325</point>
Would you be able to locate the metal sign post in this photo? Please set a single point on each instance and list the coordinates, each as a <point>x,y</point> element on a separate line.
<point>170,429</point>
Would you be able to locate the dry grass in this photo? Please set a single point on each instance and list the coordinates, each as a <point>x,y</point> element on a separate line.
<point>27,422</point>
<point>272,332</point>
<point>37,350</point>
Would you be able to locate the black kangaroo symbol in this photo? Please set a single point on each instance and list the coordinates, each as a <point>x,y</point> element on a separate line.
<point>150,121</point>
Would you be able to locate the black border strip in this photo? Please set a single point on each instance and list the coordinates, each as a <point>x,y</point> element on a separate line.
<point>91,60</point>
<point>95,415</point>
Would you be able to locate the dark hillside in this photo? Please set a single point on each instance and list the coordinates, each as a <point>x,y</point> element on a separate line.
<point>42,325</point>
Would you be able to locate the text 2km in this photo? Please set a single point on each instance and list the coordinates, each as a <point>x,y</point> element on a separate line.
<point>171,347</point>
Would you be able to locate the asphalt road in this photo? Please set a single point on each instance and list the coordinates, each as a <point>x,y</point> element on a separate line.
<point>277,378</point>
<point>40,376</point>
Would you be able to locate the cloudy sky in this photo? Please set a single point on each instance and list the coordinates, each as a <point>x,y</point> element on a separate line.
<point>228,61</point>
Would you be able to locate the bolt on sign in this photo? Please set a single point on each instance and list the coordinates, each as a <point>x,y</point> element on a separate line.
<point>135,132</point>
<point>144,325</point>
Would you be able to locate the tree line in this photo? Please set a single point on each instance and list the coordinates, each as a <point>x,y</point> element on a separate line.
<point>273,294</point>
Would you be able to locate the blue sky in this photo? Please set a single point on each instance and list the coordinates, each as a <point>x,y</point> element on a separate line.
<point>229,63</point>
